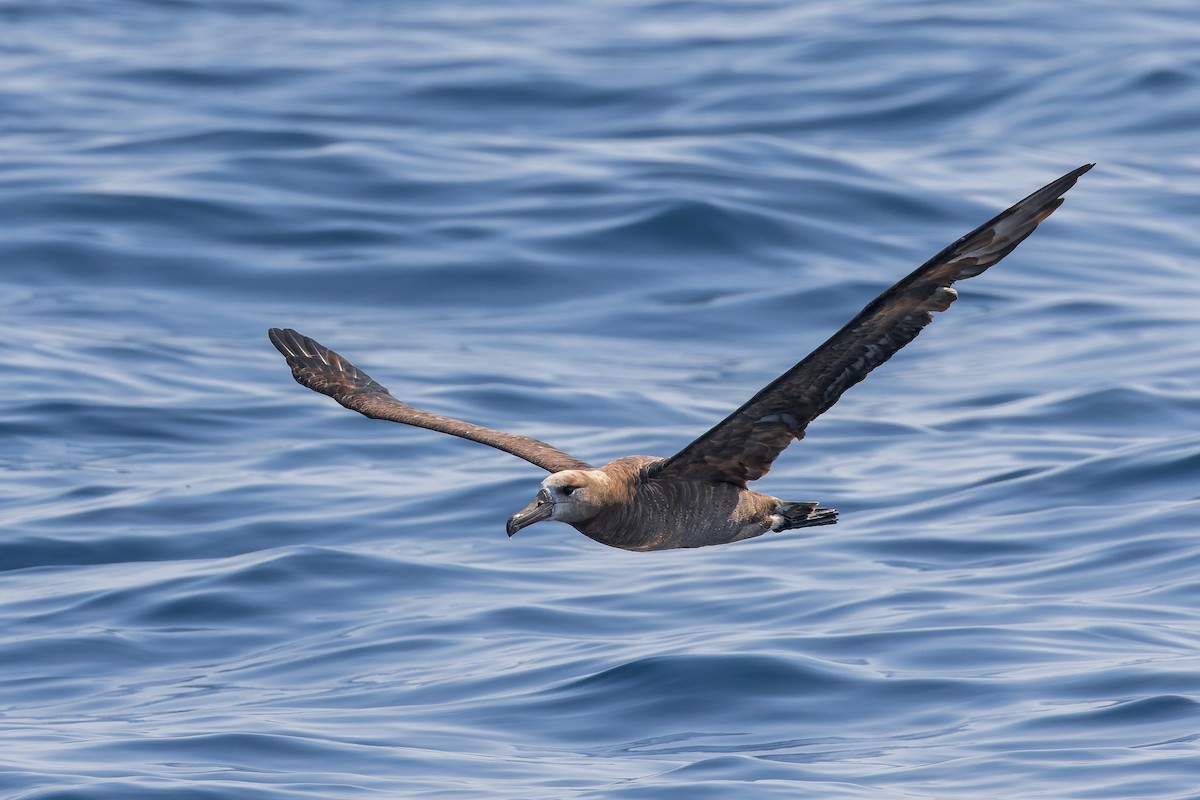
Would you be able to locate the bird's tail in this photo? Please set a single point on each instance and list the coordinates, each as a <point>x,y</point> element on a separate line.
<point>801,515</point>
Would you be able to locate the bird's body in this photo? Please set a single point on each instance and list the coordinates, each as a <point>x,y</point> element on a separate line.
<point>644,512</point>
<point>699,496</point>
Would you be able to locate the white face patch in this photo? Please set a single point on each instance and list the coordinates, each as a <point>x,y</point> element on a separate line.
<point>572,493</point>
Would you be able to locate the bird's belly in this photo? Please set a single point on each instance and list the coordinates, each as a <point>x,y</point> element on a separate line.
<point>677,516</point>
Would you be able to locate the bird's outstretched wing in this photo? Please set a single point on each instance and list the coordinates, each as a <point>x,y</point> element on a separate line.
<point>743,446</point>
<point>322,370</point>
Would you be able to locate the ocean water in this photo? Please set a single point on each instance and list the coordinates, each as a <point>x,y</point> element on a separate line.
<point>604,224</point>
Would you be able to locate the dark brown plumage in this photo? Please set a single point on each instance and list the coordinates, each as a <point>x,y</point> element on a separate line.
<point>699,496</point>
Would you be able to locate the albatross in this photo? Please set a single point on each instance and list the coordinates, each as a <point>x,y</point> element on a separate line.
<point>700,496</point>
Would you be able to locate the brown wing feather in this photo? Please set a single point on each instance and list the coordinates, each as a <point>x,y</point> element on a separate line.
<point>742,447</point>
<point>322,370</point>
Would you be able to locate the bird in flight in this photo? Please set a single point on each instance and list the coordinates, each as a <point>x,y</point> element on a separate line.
<point>700,496</point>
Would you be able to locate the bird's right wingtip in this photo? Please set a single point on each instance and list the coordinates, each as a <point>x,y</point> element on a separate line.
<point>1075,173</point>
<point>1067,181</point>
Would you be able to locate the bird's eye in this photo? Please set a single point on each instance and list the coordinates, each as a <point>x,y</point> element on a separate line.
<point>569,490</point>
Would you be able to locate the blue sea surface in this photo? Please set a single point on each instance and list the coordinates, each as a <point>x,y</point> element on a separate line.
<point>604,224</point>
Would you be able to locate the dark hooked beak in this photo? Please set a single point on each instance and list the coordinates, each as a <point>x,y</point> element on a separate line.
<point>538,510</point>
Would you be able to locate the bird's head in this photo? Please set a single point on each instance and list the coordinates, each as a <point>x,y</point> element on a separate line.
<point>573,495</point>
